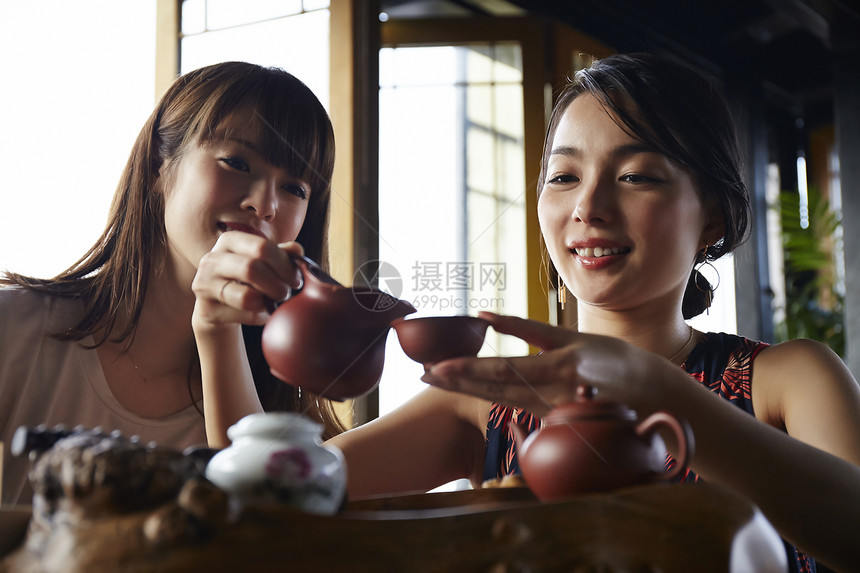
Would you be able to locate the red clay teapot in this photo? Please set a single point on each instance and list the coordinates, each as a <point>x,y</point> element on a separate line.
<point>328,338</point>
<point>595,445</point>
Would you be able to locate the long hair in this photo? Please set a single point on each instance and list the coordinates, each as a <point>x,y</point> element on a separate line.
<point>682,115</point>
<point>111,278</point>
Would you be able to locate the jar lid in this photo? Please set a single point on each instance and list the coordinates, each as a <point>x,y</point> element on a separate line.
<point>587,406</point>
<point>273,425</point>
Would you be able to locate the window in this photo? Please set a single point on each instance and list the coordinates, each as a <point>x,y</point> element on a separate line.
<point>79,84</point>
<point>452,190</point>
<point>293,35</point>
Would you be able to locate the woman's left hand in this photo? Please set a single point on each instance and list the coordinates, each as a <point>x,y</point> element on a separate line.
<point>617,370</point>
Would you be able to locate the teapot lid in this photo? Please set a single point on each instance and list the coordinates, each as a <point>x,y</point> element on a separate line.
<point>587,407</point>
<point>273,425</point>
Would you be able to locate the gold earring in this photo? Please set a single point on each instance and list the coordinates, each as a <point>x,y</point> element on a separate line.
<point>562,293</point>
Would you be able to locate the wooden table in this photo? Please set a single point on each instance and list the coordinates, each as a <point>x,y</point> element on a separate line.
<point>663,528</point>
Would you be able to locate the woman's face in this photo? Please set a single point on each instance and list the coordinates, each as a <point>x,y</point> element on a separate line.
<point>622,223</point>
<point>226,185</point>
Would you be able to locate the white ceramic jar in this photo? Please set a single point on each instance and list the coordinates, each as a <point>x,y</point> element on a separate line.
<point>280,457</point>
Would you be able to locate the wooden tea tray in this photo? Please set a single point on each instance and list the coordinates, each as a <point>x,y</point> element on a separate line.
<point>652,528</point>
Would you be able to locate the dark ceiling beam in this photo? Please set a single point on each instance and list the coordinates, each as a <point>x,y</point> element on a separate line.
<point>847,9</point>
<point>624,26</point>
<point>475,9</point>
<point>803,16</point>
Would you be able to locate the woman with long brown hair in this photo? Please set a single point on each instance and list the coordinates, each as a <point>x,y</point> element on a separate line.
<point>229,176</point>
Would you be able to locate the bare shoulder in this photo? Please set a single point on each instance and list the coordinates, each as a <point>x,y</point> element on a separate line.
<point>797,358</point>
<point>806,388</point>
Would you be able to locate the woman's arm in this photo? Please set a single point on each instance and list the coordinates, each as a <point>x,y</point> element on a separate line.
<point>229,393</point>
<point>809,491</point>
<point>232,285</point>
<point>434,438</point>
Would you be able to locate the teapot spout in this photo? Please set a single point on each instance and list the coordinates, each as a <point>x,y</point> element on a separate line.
<point>381,307</point>
<point>400,309</point>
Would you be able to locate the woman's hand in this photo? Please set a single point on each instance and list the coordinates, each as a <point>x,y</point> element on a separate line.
<point>568,359</point>
<point>239,278</point>
<point>235,284</point>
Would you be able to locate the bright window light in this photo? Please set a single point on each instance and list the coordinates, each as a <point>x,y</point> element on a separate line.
<point>804,192</point>
<point>79,79</point>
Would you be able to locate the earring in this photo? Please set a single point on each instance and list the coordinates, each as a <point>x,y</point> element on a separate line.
<point>562,293</point>
<point>702,284</point>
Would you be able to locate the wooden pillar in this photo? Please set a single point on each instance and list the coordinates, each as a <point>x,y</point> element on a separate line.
<point>847,124</point>
<point>354,109</point>
<point>167,30</point>
<point>534,120</point>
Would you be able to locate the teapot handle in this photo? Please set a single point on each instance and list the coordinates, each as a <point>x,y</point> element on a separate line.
<point>309,267</point>
<point>309,271</point>
<point>683,434</point>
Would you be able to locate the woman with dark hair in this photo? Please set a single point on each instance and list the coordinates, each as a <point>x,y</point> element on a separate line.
<point>641,184</point>
<point>228,177</point>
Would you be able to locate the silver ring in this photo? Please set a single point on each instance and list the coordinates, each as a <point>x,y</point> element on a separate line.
<point>221,292</point>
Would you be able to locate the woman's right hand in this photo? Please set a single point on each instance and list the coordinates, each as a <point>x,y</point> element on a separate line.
<point>238,280</point>
<point>235,284</point>
<point>617,370</point>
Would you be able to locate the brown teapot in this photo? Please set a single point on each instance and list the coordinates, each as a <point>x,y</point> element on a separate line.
<point>328,338</point>
<point>596,445</point>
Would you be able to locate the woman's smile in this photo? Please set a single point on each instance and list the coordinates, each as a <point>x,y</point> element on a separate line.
<point>595,254</point>
<point>598,252</point>
<point>232,226</point>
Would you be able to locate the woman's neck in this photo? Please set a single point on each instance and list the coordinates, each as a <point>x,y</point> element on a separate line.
<point>155,373</point>
<point>162,339</point>
<point>662,331</point>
